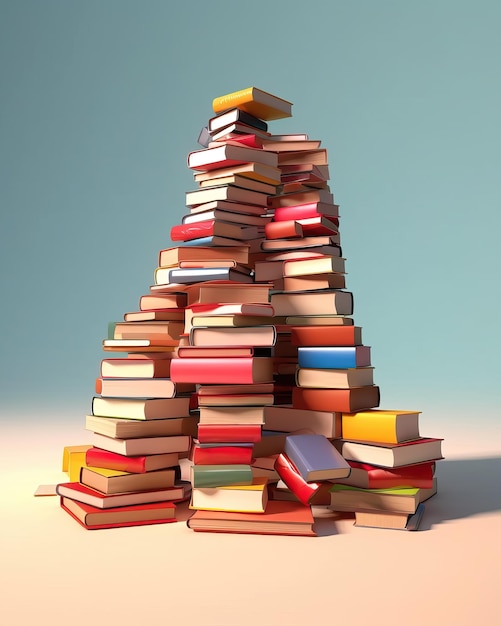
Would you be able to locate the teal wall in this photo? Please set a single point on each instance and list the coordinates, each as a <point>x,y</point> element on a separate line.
<point>102,100</point>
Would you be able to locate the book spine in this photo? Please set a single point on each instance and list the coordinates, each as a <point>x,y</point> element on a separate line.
<point>282,230</point>
<point>95,457</point>
<point>223,455</point>
<point>183,232</point>
<point>229,433</point>
<point>287,471</point>
<point>333,357</point>
<point>323,336</point>
<point>220,475</point>
<point>236,370</point>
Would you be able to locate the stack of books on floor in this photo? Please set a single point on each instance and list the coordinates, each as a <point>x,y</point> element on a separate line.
<point>246,343</point>
<point>141,425</point>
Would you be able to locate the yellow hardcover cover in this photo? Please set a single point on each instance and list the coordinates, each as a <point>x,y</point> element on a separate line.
<point>70,454</point>
<point>377,425</point>
<point>107,472</point>
<point>256,102</point>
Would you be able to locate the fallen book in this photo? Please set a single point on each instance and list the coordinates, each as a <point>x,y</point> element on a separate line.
<point>315,458</point>
<point>389,520</point>
<point>304,491</point>
<point>93,518</point>
<point>279,518</point>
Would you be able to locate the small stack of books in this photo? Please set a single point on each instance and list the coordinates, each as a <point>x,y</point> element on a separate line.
<point>141,424</point>
<point>392,468</point>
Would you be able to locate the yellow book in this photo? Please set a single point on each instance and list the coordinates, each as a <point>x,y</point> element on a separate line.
<point>254,101</point>
<point>235,498</point>
<point>74,459</point>
<point>381,426</point>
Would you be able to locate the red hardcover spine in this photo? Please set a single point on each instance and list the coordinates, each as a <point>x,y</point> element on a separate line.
<point>95,457</point>
<point>324,335</point>
<point>185,232</point>
<point>300,212</point>
<point>287,471</point>
<point>229,433</point>
<point>420,476</point>
<point>335,400</point>
<point>283,230</point>
<point>225,455</point>
<point>215,370</point>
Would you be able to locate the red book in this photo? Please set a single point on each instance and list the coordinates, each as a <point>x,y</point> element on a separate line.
<point>223,455</point>
<point>82,493</point>
<point>250,140</point>
<point>320,225</point>
<point>303,491</point>
<point>306,211</point>
<point>92,518</point>
<point>338,400</point>
<point>282,230</point>
<point>366,476</point>
<point>95,457</point>
<point>229,370</point>
<point>229,433</point>
<point>185,232</point>
<point>326,335</point>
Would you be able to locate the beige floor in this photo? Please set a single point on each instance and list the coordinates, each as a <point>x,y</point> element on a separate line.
<point>54,572</point>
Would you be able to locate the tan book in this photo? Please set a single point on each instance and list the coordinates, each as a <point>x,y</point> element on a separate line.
<point>119,428</point>
<point>114,481</point>
<point>164,315</point>
<point>227,293</point>
<point>141,409</point>
<point>163,330</point>
<point>236,400</point>
<point>335,378</point>
<point>255,171</point>
<point>172,256</point>
<point>324,302</point>
<point>242,498</point>
<point>284,418</point>
<point>311,283</point>
<point>255,336</point>
<point>136,446</point>
<point>322,265</point>
<point>232,415</point>
<point>228,320</point>
<point>141,387</point>
<point>319,320</point>
<point>304,197</point>
<point>242,182</point>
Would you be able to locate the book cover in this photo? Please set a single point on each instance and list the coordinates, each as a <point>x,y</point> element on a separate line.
<point>315,458</point>
<point>95,457</point>
<point>113,481</point>
<point>279,518</point>
<point>381,426</point>
<point>93,518</point>
<point>237,370</point>
<point>392,454</point>
<point>220,475</point>
<point>334,357</point>
<point>229,433</point>
<point>304,491</point>
<point>222,455</point>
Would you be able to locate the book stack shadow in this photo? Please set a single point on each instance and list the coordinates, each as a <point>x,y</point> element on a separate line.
<point>243,363</point>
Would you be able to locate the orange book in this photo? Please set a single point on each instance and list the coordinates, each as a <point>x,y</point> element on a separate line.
<point>313,282</point>
<point>339,400</point>
<point>282,230</point>
<point>204,293</point>
<point>326,335</point>
<point>256,102</point>
<point>172,256</point>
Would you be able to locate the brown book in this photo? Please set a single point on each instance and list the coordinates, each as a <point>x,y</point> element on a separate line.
<point>242,182</point>
<point>121,428</point>
<point>324,302</point>
<point>335,378</point>
<point>254,336</point>
<point>255,171</point>
<point>172,256</point>
<point>162,315</point>
<point>316,157</point>
<point>162,301</point>
<point>165,330</point>
<point>285,418</point>
<point>318,320</point>
<point>303,197</point>
<point>272,245</point>
<point>204,293</point>
<point>339,400</point>
<point>313,282</point>
<point>141,409</point>
<point>114,481</point>
<point>232,415</point>
<point>141,387</point>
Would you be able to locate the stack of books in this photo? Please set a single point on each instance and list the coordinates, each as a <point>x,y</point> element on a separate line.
<point>392,468</point>
<point>141,425</point>
<point>245,353</point>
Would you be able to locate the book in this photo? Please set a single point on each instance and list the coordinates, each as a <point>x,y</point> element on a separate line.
<point>232,308</point>
<point>397,500</point>
<point>242,498</point>
<point>95,457</point>
<point>243,182</point>
<point>169,301</point>
<point>194,230</point>
<point>200,274</point>
<point>170,257</point>
<point>315,458</point>
<point>279,518</point>
<point>320,265</point>
<point>222,215</point>
<point>257,336</point>
<point>168,331</point>
<point>279,145</point>
<point>330,302</point>
<point>313,282</point>
<point>284,418</point>
<point>316,156</point>
<point>236,400</point>
<point>392,454</point>
<point>256,102</point>
<point>255,171</point>
<point>282,230</point>
<point>235,115</point>
<point>229,433</point>
<point>220,292</point>
<point>390,520</point>
<point>339,400</point>
<point>163,315</point>
<point>335,379</point>
<point>368,476</point>
<point>333,357</point>
<point>306,211</point>
<point>138,345</point>
<point>93,518</point>
<point>226,321</point>
<point>317,320</point>
<point>135,368</point>
<point>132,429</point>
<point>136,446</point>
<point>113,481</point>
<point>381,426</point>
<point>221,390</point>
<point>228,155</point>
<point>303,243</point>
<point>335,335</point>
<point>304,491</point>
<point>81,493</point>
<point>141,408</point>
<point>229,193</point>
<point>237,370</point>
<point>238,134</point>
<point>140,387</point>
<point>231,414</point>
<point>222,455</point>
<point>220,475</point>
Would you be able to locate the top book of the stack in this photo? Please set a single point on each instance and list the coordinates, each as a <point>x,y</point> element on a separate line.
<point>256,102</point>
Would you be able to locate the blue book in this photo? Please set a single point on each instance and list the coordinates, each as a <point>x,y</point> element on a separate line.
<point>315,458</point>
<point>333,357</point>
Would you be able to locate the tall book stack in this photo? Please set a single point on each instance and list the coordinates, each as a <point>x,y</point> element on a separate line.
<point>141,424</point>
<point>246,342</point>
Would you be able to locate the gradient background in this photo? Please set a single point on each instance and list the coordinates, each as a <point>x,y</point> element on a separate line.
<point>101,103</point>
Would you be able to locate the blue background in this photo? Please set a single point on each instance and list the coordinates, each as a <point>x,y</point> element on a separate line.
<point>102,101</point>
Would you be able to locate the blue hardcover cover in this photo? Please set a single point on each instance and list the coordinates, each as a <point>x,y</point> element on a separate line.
<point>315,458</point>
<point>333,357</point>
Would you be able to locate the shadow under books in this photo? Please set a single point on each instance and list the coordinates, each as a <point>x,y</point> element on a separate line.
<point>466,487</point>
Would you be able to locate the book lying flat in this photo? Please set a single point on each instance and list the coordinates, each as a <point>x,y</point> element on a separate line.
<point>279,518</point>
<point>242,498</point>
<point>392,454</point>
<point>388,520</point>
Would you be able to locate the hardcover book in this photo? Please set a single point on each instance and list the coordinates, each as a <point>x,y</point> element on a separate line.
<point>315,458</point>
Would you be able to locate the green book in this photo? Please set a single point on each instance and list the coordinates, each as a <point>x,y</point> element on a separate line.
<point>220,475</point>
